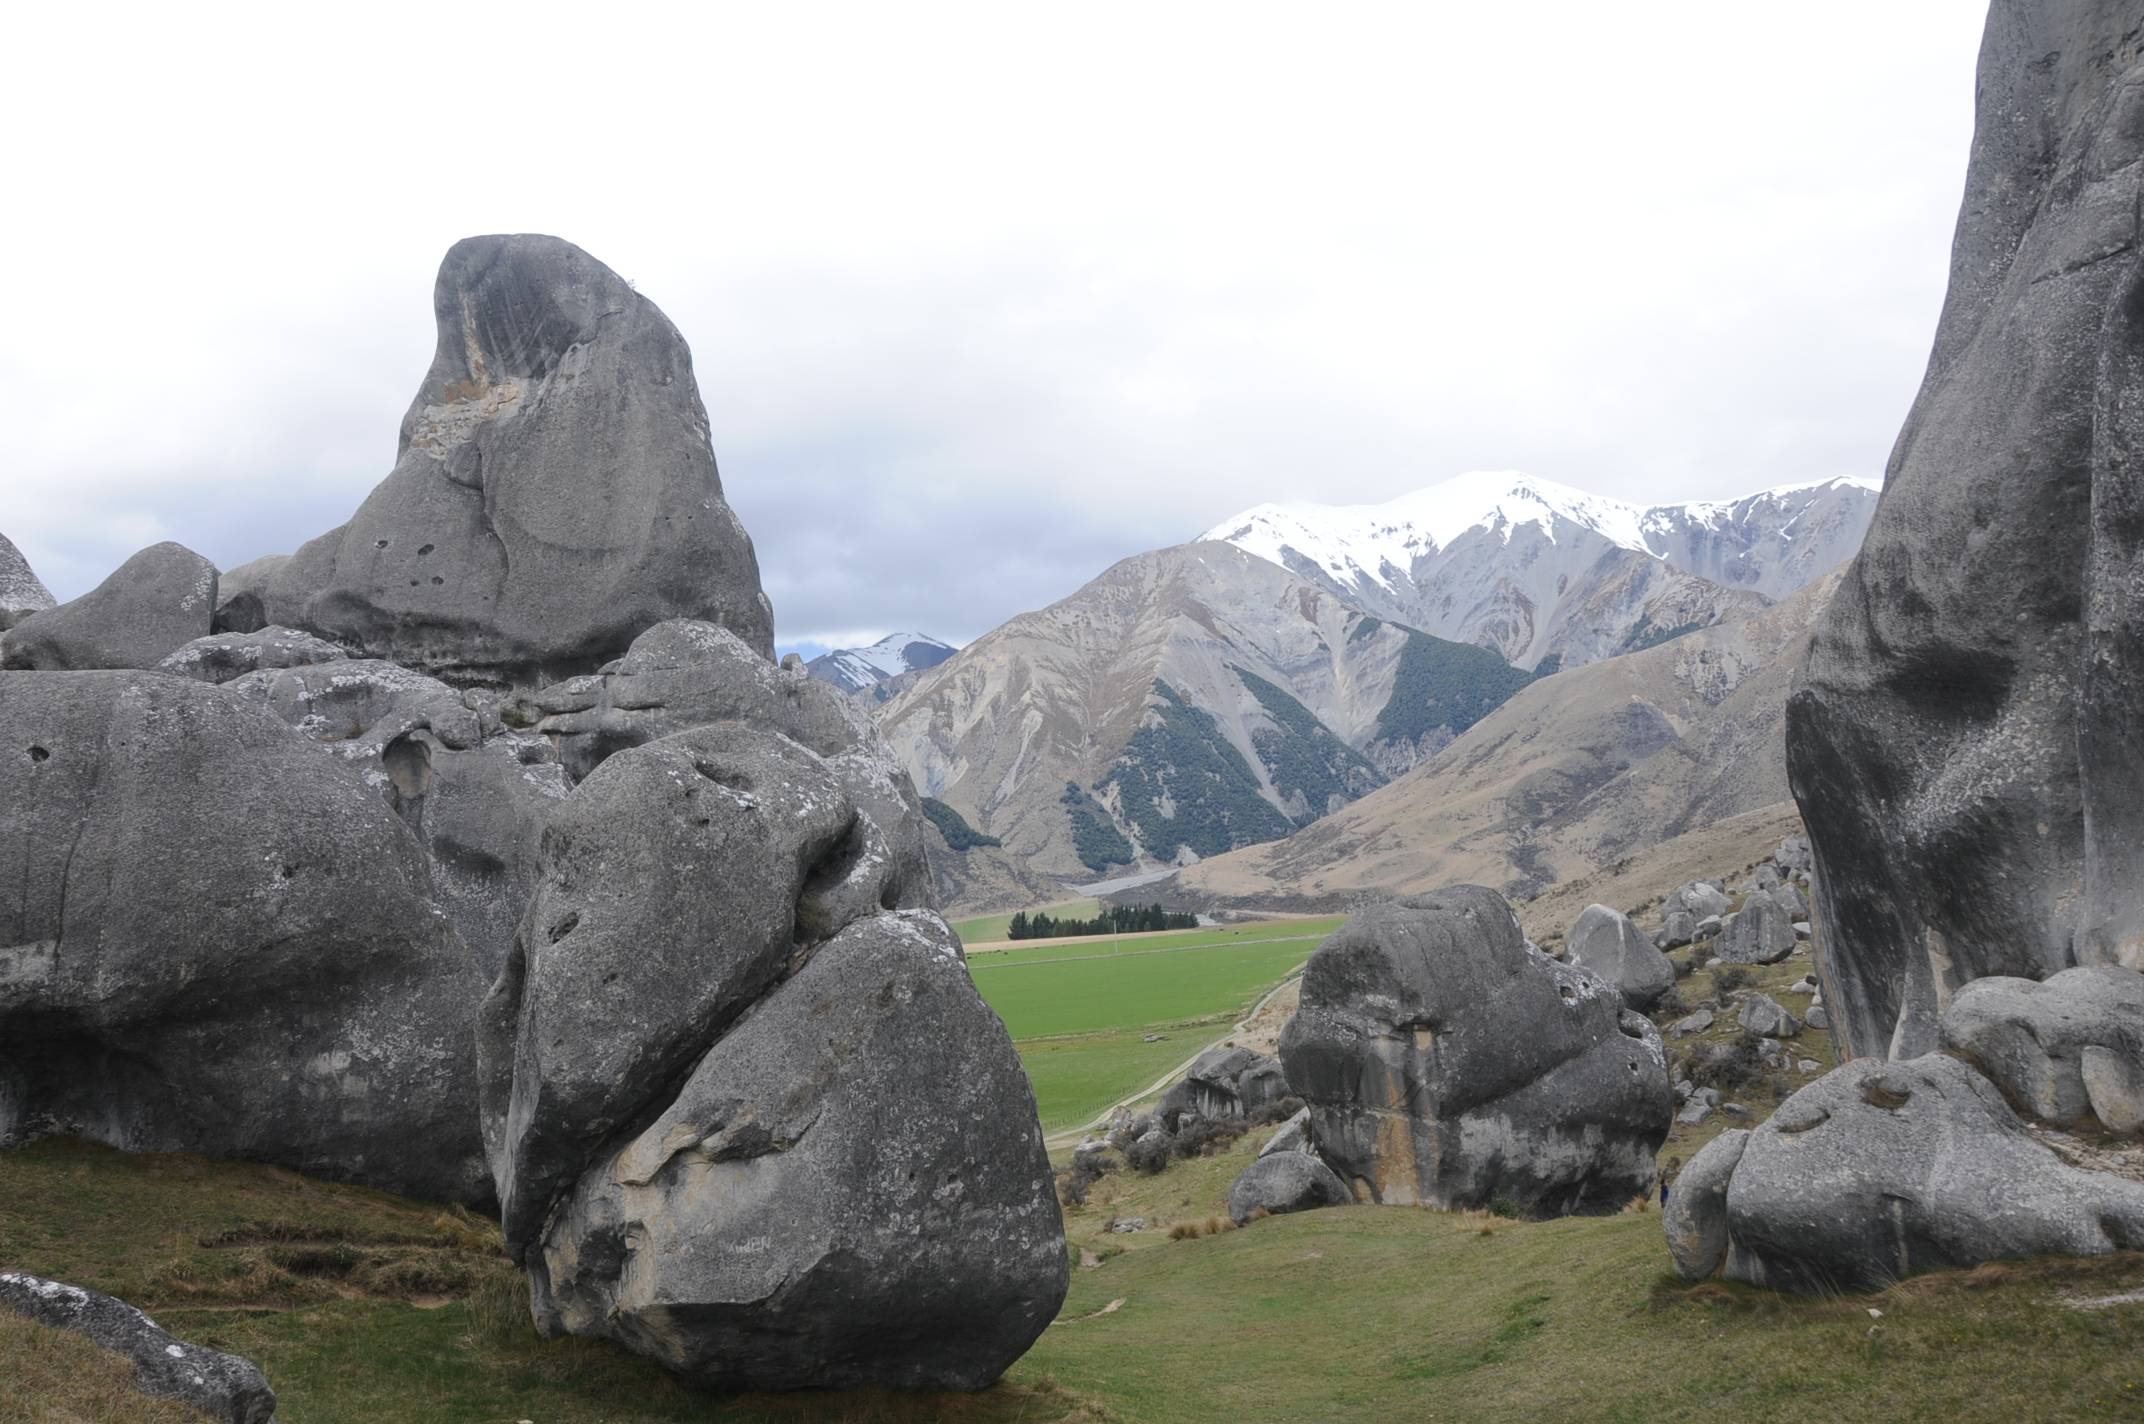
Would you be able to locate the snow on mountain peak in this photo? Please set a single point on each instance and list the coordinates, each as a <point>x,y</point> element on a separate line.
<point>892,655</point>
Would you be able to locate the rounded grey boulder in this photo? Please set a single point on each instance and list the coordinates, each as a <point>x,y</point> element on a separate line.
<point>849,1188</point>
<point>1878,1171</point>
<point>222,656</point>
<point>222,1387</point>
<point>1761,932</point>
<point>159,599</point>
<point>217,940</point>
<point>1445,1061</point>
<point>1696,1213</point>
<point>1280,1182</point>
<point>554,495</point>
<point>1605,941</point>
<point>2030,1038</point>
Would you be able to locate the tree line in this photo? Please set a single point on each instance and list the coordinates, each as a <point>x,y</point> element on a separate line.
<point>1115,919</point>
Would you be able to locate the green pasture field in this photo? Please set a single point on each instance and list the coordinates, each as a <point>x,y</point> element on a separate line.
<point>986,929</point>
<point>1080,1013</point>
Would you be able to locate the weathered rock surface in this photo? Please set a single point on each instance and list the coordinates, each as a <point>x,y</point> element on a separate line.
<point>1967,741</point>
<point>239,608</point>
<point>475,793</point>
<point>554,495</point>
<point>222,656</point>
<point>850,1188</point>
<point>157,600</point>
<point>1605,941</point>
<point>2029,1038</point>
<point>1445,1061</point>
<point>1224,1083</point>
<point>1761,932</point>
<point>218,941</point>
<point>222,1387</point>
<point>1879,1170</point>
<point>22,592</point>
<point>1696,1213</point>
<point>676,882</point>
<point>683,674</point>
<point>1280,1182</point>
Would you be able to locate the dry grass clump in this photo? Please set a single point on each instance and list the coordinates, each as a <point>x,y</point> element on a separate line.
<point>1192,1230</point>
<point>59,1377</point>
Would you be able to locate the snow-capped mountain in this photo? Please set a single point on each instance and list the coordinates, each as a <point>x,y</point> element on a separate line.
<point>854,669</point>
<point>1533,568</point>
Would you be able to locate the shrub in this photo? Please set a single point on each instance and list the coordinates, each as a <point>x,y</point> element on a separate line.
<point>1730,977</point>
<point>1149,1154</point>
<point>1279,1110</point>
<point>1734,1064</point>
<point>1203,1136</point>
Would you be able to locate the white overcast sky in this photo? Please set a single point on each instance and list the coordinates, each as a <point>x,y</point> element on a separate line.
<point>982,298</point>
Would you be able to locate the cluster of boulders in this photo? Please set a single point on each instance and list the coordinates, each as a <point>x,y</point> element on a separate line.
<point>1882,1169</point>
<point>1761,922</point>
<point>480,851</point>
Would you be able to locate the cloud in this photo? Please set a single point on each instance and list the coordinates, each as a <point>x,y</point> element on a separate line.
<point>982,299</point>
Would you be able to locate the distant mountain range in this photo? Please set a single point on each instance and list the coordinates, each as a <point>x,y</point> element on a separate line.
<point>1536,569</point>
<point>1232,691</point>
<point>854,669</point>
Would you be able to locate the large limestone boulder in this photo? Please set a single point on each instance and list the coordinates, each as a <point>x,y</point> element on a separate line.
<point>2031,1039</point>
<point>1878,1171</point>
<point>676,883</point>
<point>158,599</point>
<point>1604,941</point>
<point>1695,1216</point>
<point>226,1388</point>
<point>554,494</point>
<point>22,592</point>
<point>1447,1061</point>
<point>475,793</point>
<point>1967,740</point>
<point>217,940</point>
<point>849,1188</point>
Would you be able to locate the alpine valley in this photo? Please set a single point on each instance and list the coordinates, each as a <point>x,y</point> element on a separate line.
<point>1228,692</point>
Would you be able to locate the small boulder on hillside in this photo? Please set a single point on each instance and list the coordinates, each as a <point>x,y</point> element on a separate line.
<point>1758,933</point>
<point>1678,927</point>
<point>158,600</point>
<point>1762,1015</point>
<point>22,592</point>
<point>1281,1182</point>
<point>1445,1062</point>
<point>1701,899</point>
<point>1881,1170</point>
<point>2029,1037</point>
<point>1605,941</point>
<point>1793,855</point>
<point>226,1388</point>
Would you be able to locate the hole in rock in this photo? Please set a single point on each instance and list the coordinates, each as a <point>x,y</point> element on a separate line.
<point>423,549</point>
<point>39,754</point>
<point>565,926</point>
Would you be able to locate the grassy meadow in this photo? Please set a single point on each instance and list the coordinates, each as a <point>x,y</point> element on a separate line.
<point>362,1307</point>
<point>1081,1014</point>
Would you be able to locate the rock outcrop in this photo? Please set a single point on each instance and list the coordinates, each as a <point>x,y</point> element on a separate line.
<point>1880,1170</point>
<point>1967,741</point>
<point>218,941</point>
<point>746,1110</point>
<point>1605,942</point>
<point>554,495</point>
<point>474,792</point>
<point>1447,1061</point>
<point>157,600</point>
<point>849,1188</point>
<point>222,1387</point>
<point>2031,1038</point>
<point>1280,1182</point>
<point>22,592</point>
